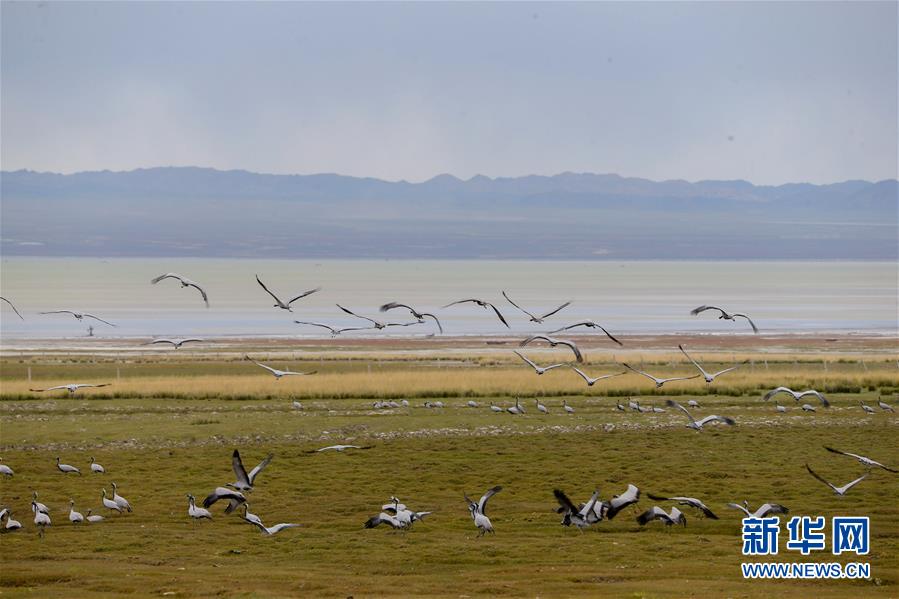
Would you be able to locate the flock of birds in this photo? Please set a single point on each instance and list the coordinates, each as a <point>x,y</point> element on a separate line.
<point>397,515</point>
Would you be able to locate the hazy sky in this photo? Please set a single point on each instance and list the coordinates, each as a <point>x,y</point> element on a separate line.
<point>769,92</point>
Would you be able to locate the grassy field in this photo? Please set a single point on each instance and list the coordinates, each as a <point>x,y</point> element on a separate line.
<point>167,426</point>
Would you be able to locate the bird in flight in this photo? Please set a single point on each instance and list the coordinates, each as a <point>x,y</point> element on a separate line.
<point>590,325</point>
<point>553,343</point>
<point>592,381</point>
<point>538,369</point>
<point>245,480</point>
<point>185,282</point>
<point>532,317</point>
<point>866,461</point>
<point>71,388</point>
<point>483,304</point>
<point>281,304</point>
<point>659,382</point>
<point>698,424</point>
<point>13,307</point>
<point>377,324</point>
<point>79,316</point>
<point>176,343</point>
<point>691,501</point>
<point>838,490</point>
<point>278,373</point>
<point>725,315</point>
<point>478,511</point>
<point>708,377</point>
<point>334,331</point>
<point>420,316</point>
<point>797,395</point>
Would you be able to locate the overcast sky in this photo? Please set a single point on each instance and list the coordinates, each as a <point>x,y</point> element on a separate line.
<point>768,92</point>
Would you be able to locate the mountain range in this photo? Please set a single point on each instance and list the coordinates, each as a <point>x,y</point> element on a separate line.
<point>192,211</point>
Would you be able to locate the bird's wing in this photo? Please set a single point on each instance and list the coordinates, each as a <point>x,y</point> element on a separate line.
<point>100,319</point>
<point>269,368</point>
<point>279,527</point>
<point>439,326</point>
<point>855,482</point>
<point>161,341</point>
<point>351,313</point>
<point>674,404</point>
<point>563,500</point>
<point>720,372</point>
<point>534,366</point>
<point>267,290</point>
<point>724,419</point>
<point>771,508</point>
<point>534,338</point>
<point>583,376</point>
<point>304,294</point>
<point>13,307</point>
<point>651,514</point>
<point>80,385</point>
<point>317,324</point>
<point>57,312</point>
<point>677,378</point>
<point>259,467</point>
<point>461,302</point>
<point>737,506</point>
<point>820,396</point>
<point>659,497</point>
<point>202,292</point>
<point>191,339</point>
<point>168,275</point>
<point>609,335</point>
<point>755,329</point>
<point>508,299</point>
<point>832,450</point>
<point>482,503</point>
<point>499,315</point>
<point>703,308</point>
<point>695,363</point>
<point>551,366</point>
<point>647,375</point>
<point>343,330</point>
<point>548,314</point>
<point>774,392</point>
<point>392,305</point>
<point>239,471</point>
<point>577,353</point>
<point>571,326</point>
<point>590,504</point>
<point>816,475</point>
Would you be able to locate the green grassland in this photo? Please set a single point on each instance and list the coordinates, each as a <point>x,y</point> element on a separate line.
<point>167,426</point>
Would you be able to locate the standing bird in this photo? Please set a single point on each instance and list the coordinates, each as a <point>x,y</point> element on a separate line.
<point>590,325</point>
<point>866,461</point>
<point>41,519</point>
<point>762,511</point>
<point>532,317</point>
<point>838,490</point>
<point>725,315</point>
<point>797,395</point>
<point>119,500</point>
<point>281,304</point>
<point>279,373</point>
<point>109,503</point>
<point>197,513</point>
<point>659,382</point>
<point>37,504</point>
<point>493,407</point>
<point>472,403</point>
<point>591,381</point>
<point>779,407</point>
<point>868,409</point>
<point>553,343</point>
<point>11,525</point>
<point>176,343</point>
<point>568,409</point>
<point>12,306</point>
<point>517,409</point>
<point>698,424</point>
<point>420,316</point>
<point>884,405</point>
<point>538,369</point>
<point>691,501</point>
<point>71,388</point>
<point>97,468</point>
<point>185,282</point>
<point>66,468</point>
<point>378,324</point>
<point>79,316</point>
<point>540,407</point>
<point>6,470</point>
<point>478,511</point>
<point>483,304</point>
<point>75,517</point>
<point>708,377</point>
<point>657,513</point>
<point>246,481</point>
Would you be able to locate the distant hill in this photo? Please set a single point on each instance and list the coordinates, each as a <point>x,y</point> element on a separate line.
<point>188,211</point>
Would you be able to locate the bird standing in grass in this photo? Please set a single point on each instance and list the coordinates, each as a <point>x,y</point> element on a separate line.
<point>478,511</point>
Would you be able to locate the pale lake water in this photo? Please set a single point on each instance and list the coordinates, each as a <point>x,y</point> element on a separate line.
<point>626,297</point>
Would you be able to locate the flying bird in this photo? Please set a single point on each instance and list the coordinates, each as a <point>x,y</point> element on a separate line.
<point>279,373</point>
<point>79,316</point>
<point>378,324</point>
<point>245,481</point>
<point>698,424</point>
<point>478,511</point>
<point>71,388</point>
<point>13,307</point>
<point>281,304</point>
<point>725,316</point>
<point>532,317</point>
<point>763,510</point>
<point>483,304</point>
<point>691,501</point>
<point>234,498</point>
<point>553,343</point>
<point>591,381</point>
<point>340,448</point>
<point>334,331</point>
<point>176,343</point>
<point>185,282</point>
<point>838,490</point>
<point>708,377</point>
<point>538,369</point>
<point>797,395</point>
<point>272,530</point>
<point>582,516</point>
<point>866,461</point>
<point>659,382</point>
<point>590,325</point>
<point>885,406</point>
<point>420,316</point>
<point>657,513</point>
